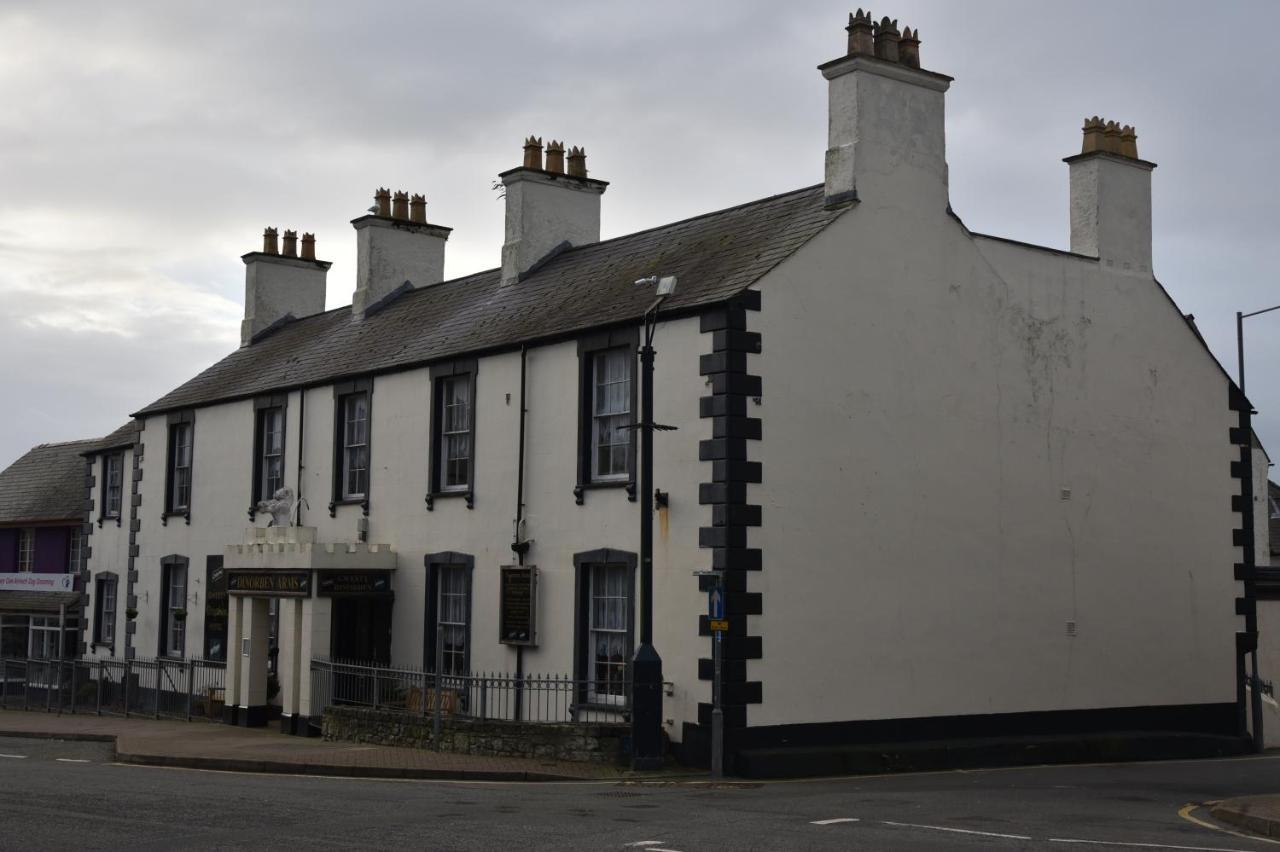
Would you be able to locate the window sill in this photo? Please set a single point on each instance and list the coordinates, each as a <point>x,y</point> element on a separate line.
<point>185,514</point>
<point>362,502</point>
<point>105,518</point>
<point>579,491</point>
<point>467,494</point>
<point>596,708</point>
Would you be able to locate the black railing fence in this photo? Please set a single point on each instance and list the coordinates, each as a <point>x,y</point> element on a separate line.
<point>155,687</point>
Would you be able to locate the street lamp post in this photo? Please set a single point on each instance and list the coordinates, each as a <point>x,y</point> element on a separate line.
<point>646,667</point>
<point>1246,492</point>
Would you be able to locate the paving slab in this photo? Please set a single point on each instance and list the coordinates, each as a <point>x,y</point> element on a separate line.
<point>207,745</point>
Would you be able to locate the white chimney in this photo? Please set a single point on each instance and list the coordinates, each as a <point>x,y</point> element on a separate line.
<point>281,285</point>
<point>548,209</point>
<point>1111,198</point>
<point>886,140</point>
<point>395,246</point>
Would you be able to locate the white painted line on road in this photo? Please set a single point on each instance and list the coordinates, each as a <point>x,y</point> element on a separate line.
<point>833,821</point>
<point>70,760</point>
<point>647,843</point>
<point>14,756</point>
<point>1147,845</point>
<point>956,830</point>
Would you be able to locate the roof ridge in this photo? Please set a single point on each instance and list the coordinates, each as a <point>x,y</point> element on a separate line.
<point>571,250</point>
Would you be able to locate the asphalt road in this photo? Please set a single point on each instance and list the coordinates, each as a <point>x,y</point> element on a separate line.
<point>56,795</point>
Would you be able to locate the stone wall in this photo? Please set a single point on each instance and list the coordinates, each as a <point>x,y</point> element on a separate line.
<point>587,743</point>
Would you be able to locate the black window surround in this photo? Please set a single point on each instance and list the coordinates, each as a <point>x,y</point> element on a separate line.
<point>112,494</point>
<point>261,407</point>
<point>177,422</point>
<point>582,565</point>
<point>103,617</point>
<point>434,562</point>
<point>588,348</point>
<point>341,391</point>
<point>169,567</point>
<point>463,368</point>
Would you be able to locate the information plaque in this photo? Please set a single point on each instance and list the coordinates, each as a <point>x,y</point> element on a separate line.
<point>519,605</point>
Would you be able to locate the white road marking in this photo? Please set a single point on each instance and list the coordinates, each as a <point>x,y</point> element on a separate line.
<point>832,821</point>
<point>647,843</point>
<point>14,756</point>
<point>956,830</point>
<point>1146,845</point>
<point>70,760</point>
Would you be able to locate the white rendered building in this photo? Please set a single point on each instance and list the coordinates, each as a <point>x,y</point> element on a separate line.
<point>958,484</point>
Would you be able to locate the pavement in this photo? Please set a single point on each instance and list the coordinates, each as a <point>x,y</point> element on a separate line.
<point>58,794</point>
<point>205,745</point>
<point>1257,814</point>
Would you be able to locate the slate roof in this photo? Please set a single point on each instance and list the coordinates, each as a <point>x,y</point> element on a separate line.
<point>715,256</point>
<point>125,436</point>
<point>38,601</point>
<point>46,484</point>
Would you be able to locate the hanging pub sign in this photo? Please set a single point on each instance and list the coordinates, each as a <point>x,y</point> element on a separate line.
<point>337,584</point>
<point>276,584</point>
<point>215,610</point>
<point>519,605</point>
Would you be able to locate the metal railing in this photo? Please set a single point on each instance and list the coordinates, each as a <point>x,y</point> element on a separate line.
<point>477,695</point>
<point>155,687</point>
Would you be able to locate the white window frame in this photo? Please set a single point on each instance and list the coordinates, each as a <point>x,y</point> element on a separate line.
<point>355,444</point>
<point>455,436</point>
<point>106,589</point>
<point>613,628</point>
<point>175,629</point>
<point>453,624</point>
<point>113,476</point>
<point>607,425</point>
<point>182,435</point>
<point>271,458</point>
<point>26,550</point>
<point>75,550</point>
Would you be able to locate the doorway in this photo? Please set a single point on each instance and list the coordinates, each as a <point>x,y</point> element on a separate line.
<point>361,630</point>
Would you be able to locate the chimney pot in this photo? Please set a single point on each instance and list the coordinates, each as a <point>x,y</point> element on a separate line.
<point>533,153</point>
<point>887,38</point>
<point>308,246</point>
<point>909,48</point>
<point>1111,138</point>
<point>555,157</point>
<point>861,40</point>
<point>1093,128</point>
<point>418,209</point>
<point>1129,142</point>
<point>382,201</point>
<point>269,245</point>
<point>577,162</point>
<point>290,244</point>
<point>400,206</point>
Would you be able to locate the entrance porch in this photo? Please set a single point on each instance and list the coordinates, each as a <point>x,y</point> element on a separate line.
<point>334,600</point>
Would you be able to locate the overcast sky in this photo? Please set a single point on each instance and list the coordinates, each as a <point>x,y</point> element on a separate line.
<point>144,146</point>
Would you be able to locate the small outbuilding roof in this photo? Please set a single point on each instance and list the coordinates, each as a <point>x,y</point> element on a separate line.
<point>124,437</point>
<point>46,484</point>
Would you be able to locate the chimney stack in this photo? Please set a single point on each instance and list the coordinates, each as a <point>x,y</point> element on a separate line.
<point>885,121</point>
<point>548,209</point>
<point>1111,197</point>
<point>278,286</point>
<point>395,246</point>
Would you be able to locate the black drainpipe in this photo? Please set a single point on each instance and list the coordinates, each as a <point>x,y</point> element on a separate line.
<point>519,546</point>
<point>302,425</point>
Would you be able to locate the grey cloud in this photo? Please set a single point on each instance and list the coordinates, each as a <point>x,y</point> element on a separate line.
<point>146,145</point>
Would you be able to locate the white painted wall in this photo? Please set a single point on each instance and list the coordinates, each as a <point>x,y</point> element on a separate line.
<point>924,413</point>
<point>109,551</point>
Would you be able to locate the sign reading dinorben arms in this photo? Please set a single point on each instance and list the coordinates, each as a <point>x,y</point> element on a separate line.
<point>29,582</point>
<point>296,584</point>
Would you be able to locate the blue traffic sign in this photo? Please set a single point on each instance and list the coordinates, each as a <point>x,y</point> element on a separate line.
<point>715,603</point>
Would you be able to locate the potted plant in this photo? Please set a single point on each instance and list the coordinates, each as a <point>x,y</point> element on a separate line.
<point>131,613</point>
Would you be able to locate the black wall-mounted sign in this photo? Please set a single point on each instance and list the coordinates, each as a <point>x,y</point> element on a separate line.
<point>276,584</point>
<point>215,610</point>
<point>517,623</point>
<point>353,583</point>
